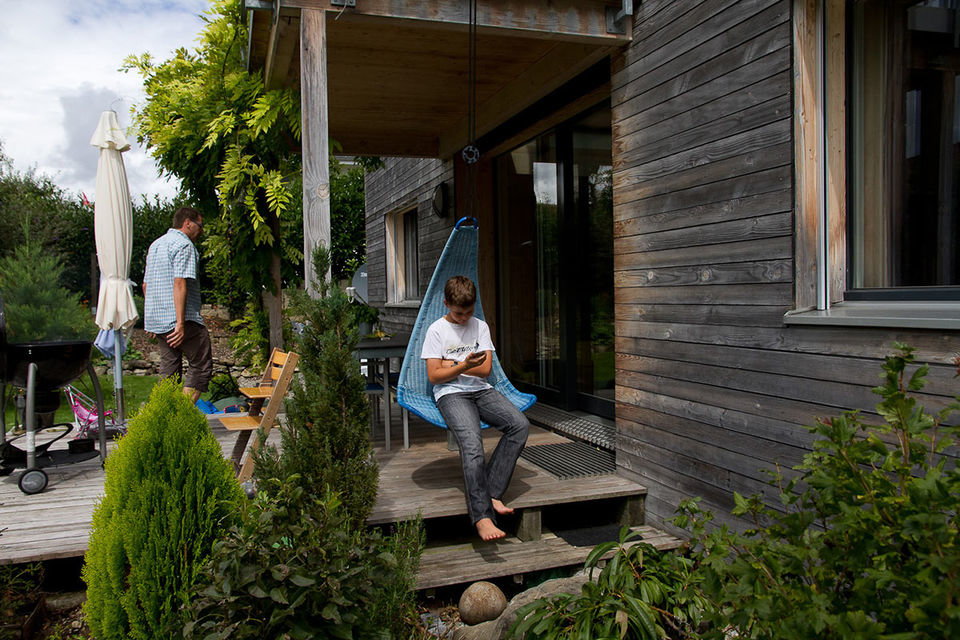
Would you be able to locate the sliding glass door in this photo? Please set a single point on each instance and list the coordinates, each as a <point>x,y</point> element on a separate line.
<point>555,263</point>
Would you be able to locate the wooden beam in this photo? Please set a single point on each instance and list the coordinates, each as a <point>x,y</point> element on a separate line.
<point>269,74</point>
<point>568,20</point>
<point>558,66</point>
<point>808,177</point>
<point>316,146</point>
<point>388,144</point>
<point>283,43</point>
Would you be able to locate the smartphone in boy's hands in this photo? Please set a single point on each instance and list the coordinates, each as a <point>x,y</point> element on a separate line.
<point>477,357</point>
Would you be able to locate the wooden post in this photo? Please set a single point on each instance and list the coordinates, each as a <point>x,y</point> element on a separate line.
<point>316,146</point>
<point>531,527</point>
<point>632,512</point>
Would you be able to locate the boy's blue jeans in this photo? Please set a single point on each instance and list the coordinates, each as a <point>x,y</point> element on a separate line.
<point>484,480</point>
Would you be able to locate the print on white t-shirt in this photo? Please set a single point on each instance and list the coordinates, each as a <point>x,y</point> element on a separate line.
<point>449,341</point>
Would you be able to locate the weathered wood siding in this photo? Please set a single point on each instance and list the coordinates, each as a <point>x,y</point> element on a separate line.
<point>712,387</point>
<point>404,183</point>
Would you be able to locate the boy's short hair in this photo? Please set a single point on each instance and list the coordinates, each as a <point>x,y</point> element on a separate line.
<point>183,214</point>
<point>460,292</point>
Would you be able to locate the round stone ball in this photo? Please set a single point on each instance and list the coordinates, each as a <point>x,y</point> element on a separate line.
<point>480,602</point>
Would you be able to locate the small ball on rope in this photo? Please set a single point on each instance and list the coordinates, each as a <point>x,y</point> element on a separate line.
<point>470,154</point>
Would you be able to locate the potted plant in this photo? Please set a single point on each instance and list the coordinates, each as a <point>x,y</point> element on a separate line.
<point>22,604</point>
<point>366,317</point>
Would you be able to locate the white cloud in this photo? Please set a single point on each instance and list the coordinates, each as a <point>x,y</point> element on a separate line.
<point>60,70</point>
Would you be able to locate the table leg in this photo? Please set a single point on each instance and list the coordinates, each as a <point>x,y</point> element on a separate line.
<point>386,402</point>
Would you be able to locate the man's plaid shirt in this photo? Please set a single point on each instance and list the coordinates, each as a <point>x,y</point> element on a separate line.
<point>170,256</point>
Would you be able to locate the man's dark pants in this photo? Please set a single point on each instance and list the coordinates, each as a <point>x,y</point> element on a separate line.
<point>196,348</point>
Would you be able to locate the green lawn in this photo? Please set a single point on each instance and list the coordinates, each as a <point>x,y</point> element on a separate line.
<point>136,390</point>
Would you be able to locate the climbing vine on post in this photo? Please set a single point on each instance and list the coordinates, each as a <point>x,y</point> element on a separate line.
<point>235,147</point>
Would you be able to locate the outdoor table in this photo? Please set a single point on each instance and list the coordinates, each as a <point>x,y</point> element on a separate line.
<point>377,352</point>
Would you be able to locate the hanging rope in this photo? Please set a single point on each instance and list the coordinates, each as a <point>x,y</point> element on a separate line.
<point>470,153</point>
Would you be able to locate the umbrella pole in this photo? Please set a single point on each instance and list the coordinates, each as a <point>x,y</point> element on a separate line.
<point>118,375</point>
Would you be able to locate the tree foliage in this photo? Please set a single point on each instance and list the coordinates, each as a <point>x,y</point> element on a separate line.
<point>233,145</point>
<point>63,226</point>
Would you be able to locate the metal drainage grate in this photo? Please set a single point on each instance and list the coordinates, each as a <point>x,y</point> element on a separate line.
<point>601,435</point>
<point>571,459</point>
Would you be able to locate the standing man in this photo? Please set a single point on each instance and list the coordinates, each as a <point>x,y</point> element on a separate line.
<point>171,291</point>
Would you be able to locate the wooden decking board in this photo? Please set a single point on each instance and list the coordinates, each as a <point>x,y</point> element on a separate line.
<point>56,523</point>
<point>456,564</point>
<point>424,478</point>
<point>427,479</point>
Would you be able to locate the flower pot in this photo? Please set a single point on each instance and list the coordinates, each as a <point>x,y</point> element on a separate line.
<point>27,622</point>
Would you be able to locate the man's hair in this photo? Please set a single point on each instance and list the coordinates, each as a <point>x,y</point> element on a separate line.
<point>183,214</point>
<point>460,292</point>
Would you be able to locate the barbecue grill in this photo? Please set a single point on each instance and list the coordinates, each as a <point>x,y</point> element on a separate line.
<point>41,369</point>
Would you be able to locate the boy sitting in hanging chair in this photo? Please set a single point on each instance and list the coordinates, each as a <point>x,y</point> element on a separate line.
<point>457,349</point>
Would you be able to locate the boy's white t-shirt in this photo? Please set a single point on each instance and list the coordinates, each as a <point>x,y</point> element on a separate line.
<point>450,341</point>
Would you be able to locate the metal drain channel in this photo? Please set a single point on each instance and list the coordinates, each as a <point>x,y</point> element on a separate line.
<point>601,435</point>
<point>571,459</point>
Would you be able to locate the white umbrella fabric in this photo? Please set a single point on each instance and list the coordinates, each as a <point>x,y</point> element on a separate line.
<point>113,226</point>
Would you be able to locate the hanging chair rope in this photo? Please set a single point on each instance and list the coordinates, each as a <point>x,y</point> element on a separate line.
<point>470,153</point>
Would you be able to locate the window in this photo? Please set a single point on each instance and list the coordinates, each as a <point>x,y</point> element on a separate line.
<point>403,264</point>
<point>903,164</point>
<point>877,152</point>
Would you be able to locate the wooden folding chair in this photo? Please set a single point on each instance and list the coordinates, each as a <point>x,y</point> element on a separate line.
<point>280,377</point>
<point>256,395</point>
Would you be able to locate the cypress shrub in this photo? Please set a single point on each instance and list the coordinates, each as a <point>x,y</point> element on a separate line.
<point>37,307</point>
<point>301,562</point>
<point>326,442</point>
<point>168,494</point>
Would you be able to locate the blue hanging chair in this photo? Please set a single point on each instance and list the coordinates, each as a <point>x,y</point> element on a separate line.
<point>414,391</point>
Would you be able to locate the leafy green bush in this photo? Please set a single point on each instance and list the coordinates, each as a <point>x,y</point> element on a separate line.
<point>295,568</point>
<point>222,386</point>
<point>37,308</point>
<point>641,593</point>
<point>168,494</point>
<point>869,543</point>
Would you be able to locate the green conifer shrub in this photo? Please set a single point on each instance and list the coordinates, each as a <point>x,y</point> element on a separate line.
<point>169,493</point>
<point>326,440</point>
<point>37,307</point>
<point>302,562</point>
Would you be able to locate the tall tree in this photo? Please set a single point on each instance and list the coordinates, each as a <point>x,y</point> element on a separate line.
<point>235,147</point>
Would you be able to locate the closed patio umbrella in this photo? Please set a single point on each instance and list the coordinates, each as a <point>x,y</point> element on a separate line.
<point>113,225</point>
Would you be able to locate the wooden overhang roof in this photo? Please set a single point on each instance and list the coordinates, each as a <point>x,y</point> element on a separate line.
<point>397,70</point>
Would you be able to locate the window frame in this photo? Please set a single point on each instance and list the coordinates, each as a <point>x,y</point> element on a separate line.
<point>821,293</point>
<point>400,267</point>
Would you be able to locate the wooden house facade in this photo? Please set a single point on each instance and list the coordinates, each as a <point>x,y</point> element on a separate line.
<point>704,220</point>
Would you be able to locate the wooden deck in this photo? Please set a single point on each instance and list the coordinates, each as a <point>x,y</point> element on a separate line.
<point>423,480</point>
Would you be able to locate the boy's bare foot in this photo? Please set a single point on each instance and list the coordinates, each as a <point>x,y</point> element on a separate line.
<point>488,530</point>
<point>500,508</point>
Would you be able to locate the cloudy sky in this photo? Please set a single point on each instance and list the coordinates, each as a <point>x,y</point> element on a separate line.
<point>59,71</point>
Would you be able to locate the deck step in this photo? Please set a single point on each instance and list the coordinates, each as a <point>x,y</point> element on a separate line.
<point>572,425</point>
<point>468,562</point>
